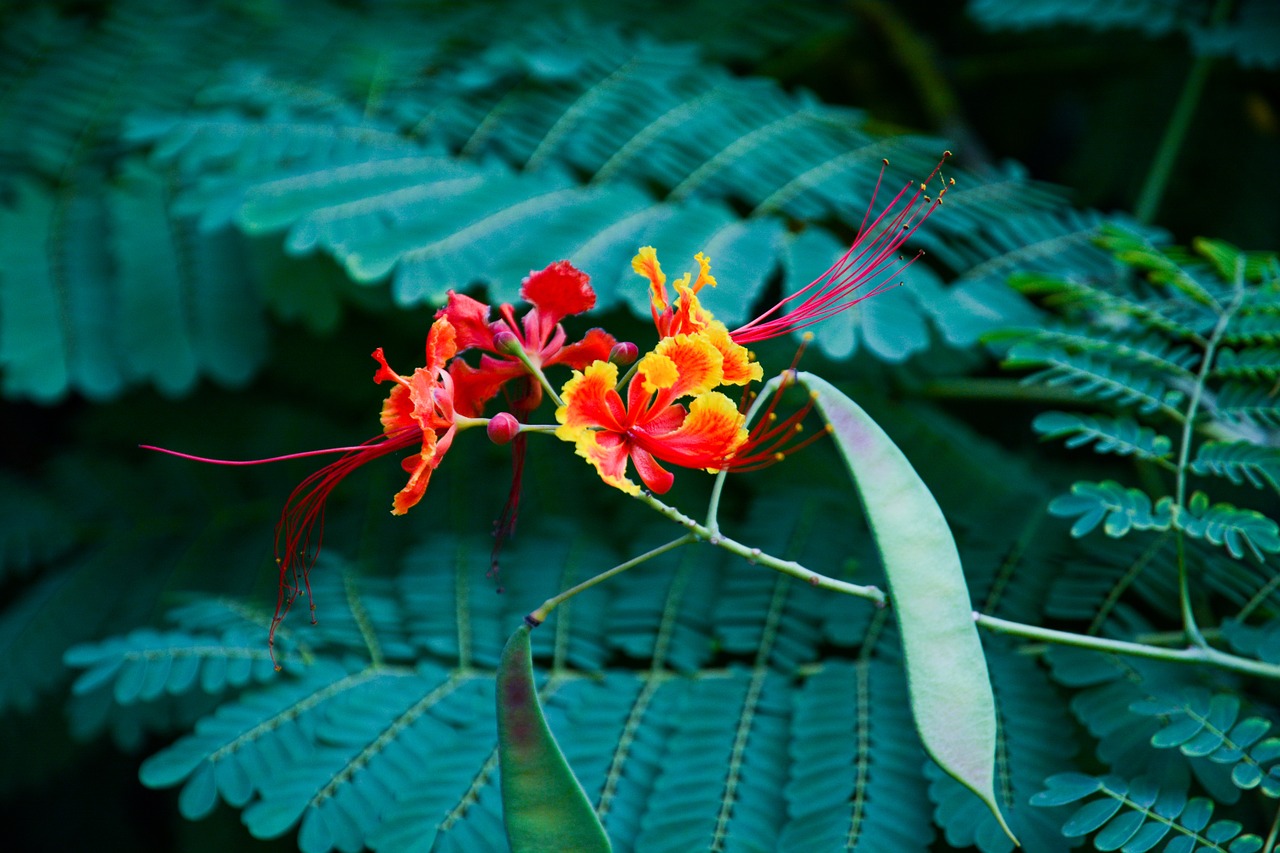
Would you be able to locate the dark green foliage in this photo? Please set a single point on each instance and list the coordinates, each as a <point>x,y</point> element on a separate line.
<point>1249,35</point>
<point>1134,343</point>
<point>481,170</point>
<point>246,194</point>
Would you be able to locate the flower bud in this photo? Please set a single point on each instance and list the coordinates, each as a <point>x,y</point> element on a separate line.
<point>502,428</point>
<point>624,353</point>
<point>506,341</point>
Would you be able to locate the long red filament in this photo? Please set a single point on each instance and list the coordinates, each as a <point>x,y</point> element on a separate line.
<point>864,262</point>
<point>304,510</point>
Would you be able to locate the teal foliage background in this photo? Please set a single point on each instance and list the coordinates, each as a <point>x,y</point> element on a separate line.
<point>211,213</point>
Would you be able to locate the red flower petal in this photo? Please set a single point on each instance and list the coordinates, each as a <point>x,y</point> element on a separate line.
<point>558,291</point>
<point>470,319</point>
<point>597,345</point>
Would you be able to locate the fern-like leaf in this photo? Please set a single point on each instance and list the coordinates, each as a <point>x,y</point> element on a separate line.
<point>1121,436</point>
<point>1142,813</point>
<point>1118,508</point>
<point>1202,724</point>
<point>1239,530</point>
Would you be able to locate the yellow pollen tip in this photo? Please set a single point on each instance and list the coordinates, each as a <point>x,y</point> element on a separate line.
<point>799,428</point>
<point>773,416</point>
<point>813,395</point>
<point>922,188</point>
<point>778,457</point>
<point>807,337</point>
<point>828,429</point>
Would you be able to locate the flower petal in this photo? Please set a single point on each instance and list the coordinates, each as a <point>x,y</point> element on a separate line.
<point>442,344</point>
<point>558,291</point>
<point>654,476</point>
<point>645,263</point>
<point>474,387</point>
<point>591,401</point>
<point>397,411</point>
<point>738,367</point>
<point>689,317</point>
<point>419,468</point>
<point>596,345</point>
<point>704,272</point>
<point>700,364</point>
<point>607,452</point>
<point>470,319</point>
<point>384,373</point>
<point>707,438</point>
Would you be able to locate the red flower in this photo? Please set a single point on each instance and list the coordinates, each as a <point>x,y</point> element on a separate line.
<point>650,425</point>
<point>556,292</point>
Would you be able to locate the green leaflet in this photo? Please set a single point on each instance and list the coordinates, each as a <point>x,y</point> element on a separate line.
<point>543,806</point>
<point>947,676</point>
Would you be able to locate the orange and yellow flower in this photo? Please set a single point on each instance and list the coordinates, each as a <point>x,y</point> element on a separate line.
<point>686,316</point>
<point>650,425</point>
<point>421,406</point>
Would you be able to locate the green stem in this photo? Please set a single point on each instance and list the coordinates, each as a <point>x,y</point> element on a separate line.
<point>1196,654</point>
<point>1184,456</point>
<point>755,555</point>
<point>540,615</point>
<point>1270,845</point>
<point>1192,654</point>
<point>515,349</point>
<point>713,506</point>
<point>1167,154</point>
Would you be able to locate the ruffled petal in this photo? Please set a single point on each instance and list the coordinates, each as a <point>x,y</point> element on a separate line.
<point>419,468</point>
<point>645,263</point>
<point>397,411</point>
<point>705,278</point>
<point>558,291</point>
<point>442,344</point>
<point>707,438</point>
<point>591,401</point>
<point>470,319</point>
<point>655,372</point>
<point>738,367</point>
<point>698,362</point>
<point>689,317</point>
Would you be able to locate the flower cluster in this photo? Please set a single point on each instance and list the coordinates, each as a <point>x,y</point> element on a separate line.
<point>668,408</point>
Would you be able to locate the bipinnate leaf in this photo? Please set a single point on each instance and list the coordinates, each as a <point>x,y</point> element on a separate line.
<point>543,805</point>
<point>947,677</point>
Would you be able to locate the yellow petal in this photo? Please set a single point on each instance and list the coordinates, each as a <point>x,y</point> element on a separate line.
<point>704,272</point>
<point>698,361</point>
<point>738,367</point>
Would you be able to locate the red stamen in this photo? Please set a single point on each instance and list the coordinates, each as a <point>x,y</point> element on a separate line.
<point>864,262</point>
<point>767,443</point>
<point>301,455</point>
<point>304,509</point>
